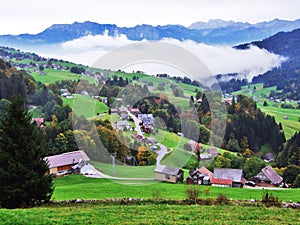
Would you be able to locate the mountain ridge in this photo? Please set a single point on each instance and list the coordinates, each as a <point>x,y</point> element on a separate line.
<point>212,32</point>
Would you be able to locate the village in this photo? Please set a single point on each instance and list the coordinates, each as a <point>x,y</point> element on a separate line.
<point>130,118</point>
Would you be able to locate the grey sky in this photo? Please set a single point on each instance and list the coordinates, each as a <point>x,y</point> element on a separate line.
<point>33,16</point>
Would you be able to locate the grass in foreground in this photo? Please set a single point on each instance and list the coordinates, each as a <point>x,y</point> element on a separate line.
<point>149,214</point>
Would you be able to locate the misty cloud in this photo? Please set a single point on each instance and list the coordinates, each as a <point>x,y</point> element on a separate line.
<point>219,59</point>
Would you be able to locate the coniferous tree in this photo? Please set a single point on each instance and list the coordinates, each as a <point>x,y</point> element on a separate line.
<point>23,177</point>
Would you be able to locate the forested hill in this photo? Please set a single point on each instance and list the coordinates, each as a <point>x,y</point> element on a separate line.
<point>286,77</point>
<point>14,82</point>
<point>248,127</point>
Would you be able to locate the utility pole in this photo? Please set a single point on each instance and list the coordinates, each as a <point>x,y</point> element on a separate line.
<point>113,163</point>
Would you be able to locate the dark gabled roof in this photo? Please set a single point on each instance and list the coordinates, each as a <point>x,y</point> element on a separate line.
<point>271,174</point>
<point>235,175</point>
<point>167,170</point>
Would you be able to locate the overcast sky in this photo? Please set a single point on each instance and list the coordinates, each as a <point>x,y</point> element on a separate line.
<point>33,16</point>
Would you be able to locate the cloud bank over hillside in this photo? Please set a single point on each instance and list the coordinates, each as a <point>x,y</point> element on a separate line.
<point>219,59</point>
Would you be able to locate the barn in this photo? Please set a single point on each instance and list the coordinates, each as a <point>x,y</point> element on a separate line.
<point>169,174</point>
<point>65,161</point>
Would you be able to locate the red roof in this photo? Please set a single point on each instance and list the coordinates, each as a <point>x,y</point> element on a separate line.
<point>221,181</point>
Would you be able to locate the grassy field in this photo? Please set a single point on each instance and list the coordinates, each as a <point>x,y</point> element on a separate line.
<point>80,187</point>
<point>149,214</point>
<point>85,106</point>
<point>290,125</point>
<point>56,75</point>
<point>125,171</point>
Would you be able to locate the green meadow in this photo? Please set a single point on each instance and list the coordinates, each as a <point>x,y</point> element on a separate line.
<point>80,187</point>
<point>52,75</point>
<point>149,214</point>
<point>84,105</point>
<point>289,125</point>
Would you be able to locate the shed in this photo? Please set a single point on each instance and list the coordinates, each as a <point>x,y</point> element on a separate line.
<point>169,174</point>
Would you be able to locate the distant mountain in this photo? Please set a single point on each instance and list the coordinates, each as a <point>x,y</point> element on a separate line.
<point>212,32</point>
<point>287,76</point>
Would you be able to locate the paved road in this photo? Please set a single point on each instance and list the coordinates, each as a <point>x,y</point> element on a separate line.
<point>163,149</point>
<point>136,122</point>
<point>161,153</point>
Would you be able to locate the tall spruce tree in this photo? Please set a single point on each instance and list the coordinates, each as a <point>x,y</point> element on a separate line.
<point>23,177</point>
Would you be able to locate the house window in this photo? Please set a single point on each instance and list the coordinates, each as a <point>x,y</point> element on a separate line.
<point>168,176</point>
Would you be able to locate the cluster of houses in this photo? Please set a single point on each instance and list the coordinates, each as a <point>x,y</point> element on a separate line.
<point>77,162</point>
<point>222,177</point>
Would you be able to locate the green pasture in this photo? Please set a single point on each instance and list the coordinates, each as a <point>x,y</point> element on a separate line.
<point>80,187</point>
<point>125,171</point>
<point>84,105</point>
<point>51,76</point>
<point>149,214</point>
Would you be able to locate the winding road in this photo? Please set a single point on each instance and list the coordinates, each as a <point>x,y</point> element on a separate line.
<point>160,155</point>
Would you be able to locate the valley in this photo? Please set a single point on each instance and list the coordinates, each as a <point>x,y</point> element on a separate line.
<point>122,120</point>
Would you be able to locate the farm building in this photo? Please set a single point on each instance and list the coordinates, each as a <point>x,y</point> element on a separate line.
<point>269,176</point>
<point>233,175</point>
<point>169,174</point>
<point>65,161</point>
<point>200,176</point>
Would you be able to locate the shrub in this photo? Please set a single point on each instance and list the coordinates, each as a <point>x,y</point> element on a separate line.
<point>156,195</point>
<point>206,191</point>
<point>270,200</point>
<point>192,193</point>
<point>222,199</point>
